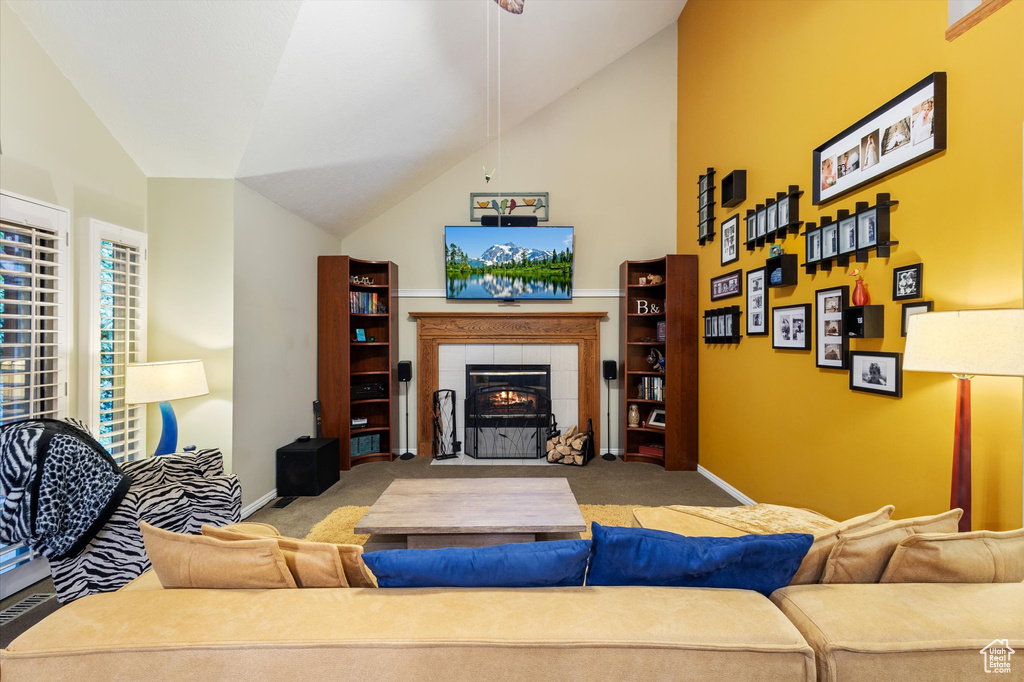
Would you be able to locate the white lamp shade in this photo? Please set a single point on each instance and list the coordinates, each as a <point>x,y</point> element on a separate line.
<point>967,342</point>
<point>155,382</point>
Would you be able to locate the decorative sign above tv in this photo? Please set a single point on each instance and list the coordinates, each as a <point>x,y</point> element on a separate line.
<point>904,130</point>
<point>508,263</point>
<point>508,204</point>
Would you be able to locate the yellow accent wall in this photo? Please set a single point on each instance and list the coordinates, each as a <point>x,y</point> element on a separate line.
<point>761,84</point>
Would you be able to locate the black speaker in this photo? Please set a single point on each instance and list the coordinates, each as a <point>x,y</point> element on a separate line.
<point>508,220</point>
<point>405,371</point>
<point>611,372</point>
<point>307,467</point>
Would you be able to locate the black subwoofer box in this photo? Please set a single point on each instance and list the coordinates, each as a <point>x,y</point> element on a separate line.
<point>307,467</point>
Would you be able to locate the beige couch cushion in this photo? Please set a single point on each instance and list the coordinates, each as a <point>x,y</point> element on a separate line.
<point>979,557</point>
<point>186,561</point>
<point>760,518</point>
<point>861,557</point>
<point>572,633</point>
<point>313,564</point>
<point>866,633</point>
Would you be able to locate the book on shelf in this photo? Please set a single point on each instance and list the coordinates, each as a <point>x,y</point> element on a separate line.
<point>652,388</point>
<point>365,303</point>
<point>653,449</point>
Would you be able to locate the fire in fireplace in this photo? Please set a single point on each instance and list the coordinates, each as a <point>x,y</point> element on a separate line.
<point>508,410</point>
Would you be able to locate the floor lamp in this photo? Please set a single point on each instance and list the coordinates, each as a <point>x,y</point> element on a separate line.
<point>611,371</point>
<point>965,343</point>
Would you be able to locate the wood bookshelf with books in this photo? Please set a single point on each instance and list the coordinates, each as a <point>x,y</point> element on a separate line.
<point>658,333</point>
<point>357,357</point>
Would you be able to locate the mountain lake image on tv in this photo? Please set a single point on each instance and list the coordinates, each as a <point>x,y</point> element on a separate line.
<point>508,263</point>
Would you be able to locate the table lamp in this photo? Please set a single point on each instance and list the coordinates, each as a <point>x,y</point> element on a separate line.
<point>161,382</point>
<point>965,343</point>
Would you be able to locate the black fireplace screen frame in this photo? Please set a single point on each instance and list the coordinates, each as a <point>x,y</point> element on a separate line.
<point>503,430</point>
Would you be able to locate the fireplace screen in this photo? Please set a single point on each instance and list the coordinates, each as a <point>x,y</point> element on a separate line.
<point>508,410</point>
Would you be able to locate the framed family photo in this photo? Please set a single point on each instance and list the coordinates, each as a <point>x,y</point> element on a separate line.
<point>757,303</point>
<point>791,327</point>
<point>906,282</point>
<point>906,129</point>
<point>880,373</point>
<point>727,285</point>
<point>831,340</point>
<point>731,240</point>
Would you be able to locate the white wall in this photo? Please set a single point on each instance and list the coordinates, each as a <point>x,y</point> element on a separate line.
<point>606,154</point>
<point>275,324</point>
<point>191,302</point>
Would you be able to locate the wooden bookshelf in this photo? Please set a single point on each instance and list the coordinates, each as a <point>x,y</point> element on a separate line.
<point>344,363</point>
<point>671,301</point>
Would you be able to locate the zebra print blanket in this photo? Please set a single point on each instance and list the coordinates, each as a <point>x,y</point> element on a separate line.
<point>59,486</point>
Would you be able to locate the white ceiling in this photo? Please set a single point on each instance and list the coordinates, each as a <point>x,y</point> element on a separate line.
<point>337,109</point>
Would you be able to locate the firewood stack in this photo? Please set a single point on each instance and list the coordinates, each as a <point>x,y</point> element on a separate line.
<point>568,447</point>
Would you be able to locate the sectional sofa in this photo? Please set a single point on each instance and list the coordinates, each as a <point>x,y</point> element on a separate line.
<point>812,631</point>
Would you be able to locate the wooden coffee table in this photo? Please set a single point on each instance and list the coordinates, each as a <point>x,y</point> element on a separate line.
<point>473,512</point>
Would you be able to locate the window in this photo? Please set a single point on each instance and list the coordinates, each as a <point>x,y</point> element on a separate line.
<point>113,328</point>
<point>33,336</point>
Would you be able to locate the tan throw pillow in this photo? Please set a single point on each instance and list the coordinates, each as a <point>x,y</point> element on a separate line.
<point>313,564</point>
<point>813,565</point>
<point>861,557</point>
<point>194,561</point>
<point>982,556</point>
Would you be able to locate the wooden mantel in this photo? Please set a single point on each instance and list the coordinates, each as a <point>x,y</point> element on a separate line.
<point>433,329</point>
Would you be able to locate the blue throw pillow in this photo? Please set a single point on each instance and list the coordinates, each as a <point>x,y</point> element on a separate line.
<point>562,563</point>
<point>640,556</point>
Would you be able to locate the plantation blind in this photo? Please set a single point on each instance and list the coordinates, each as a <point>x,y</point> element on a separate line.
<point>114,304</point>
<point>33,336</point>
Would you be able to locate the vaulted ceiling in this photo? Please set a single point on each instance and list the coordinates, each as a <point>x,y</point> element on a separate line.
<point>334,109</point>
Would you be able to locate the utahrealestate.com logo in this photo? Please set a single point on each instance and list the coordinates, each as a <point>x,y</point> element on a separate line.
<point>997,656</point>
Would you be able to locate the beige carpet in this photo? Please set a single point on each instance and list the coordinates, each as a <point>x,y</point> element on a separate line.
<point>339,524</point>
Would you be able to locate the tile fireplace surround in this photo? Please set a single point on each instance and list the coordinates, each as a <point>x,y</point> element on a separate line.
<point>445,342</point>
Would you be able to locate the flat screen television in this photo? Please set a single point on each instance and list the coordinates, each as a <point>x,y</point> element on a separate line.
<point>508,263</point>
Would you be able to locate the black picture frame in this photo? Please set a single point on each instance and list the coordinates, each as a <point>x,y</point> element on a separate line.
<point>910,309</point>
<point>727,286</point>
<point>829,241</point>
<point>906,282</point>
<point>751,221</point>
<point>900,132</point>
<point>812,245</point>
<point>831,341</point>
<point>791,327</point>
<point>847,235</point>
<point>772,210</point>
<point>876,372</point>
<point>731,240</point>
<point>757,302</point>
<point>706,207</point>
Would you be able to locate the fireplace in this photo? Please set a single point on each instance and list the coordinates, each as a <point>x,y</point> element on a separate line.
<point>508,410</point>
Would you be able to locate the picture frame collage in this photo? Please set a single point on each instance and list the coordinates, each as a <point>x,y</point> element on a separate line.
<point>774,219</point>
<point>706,207</point>
<point>722,325</point>
<point>850,236</point>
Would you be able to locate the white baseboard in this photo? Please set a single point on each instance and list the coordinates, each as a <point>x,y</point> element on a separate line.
<point>733,492</point>
<point>258,504</point>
